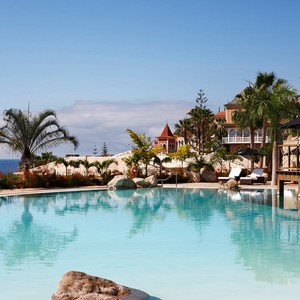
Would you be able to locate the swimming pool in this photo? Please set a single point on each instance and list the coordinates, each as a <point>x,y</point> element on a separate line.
<point>171,243</point>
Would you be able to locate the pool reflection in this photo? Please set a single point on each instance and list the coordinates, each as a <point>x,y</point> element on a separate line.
<point>265,238</point>
<point>26,240</point>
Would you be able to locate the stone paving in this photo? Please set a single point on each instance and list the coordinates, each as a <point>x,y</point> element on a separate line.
<point>212,185</point>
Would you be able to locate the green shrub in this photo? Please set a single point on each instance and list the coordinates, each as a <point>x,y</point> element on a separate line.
<point>46,180</point>
<point>11,181</point>
<point>78,180</point>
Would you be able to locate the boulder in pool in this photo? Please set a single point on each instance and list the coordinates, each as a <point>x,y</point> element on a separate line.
<point>232,184</point>
<point>121,182</point>
<point>76,285</point>
<point>152,180</point>
<point>141,182</point>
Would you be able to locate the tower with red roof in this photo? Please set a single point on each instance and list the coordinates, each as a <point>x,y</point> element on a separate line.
<point>167,140</point>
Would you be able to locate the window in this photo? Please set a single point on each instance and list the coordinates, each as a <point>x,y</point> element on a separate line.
<point>246,132</point>
<point>232,133</point>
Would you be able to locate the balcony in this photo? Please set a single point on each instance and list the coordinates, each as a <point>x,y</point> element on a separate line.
<point>243,140</point>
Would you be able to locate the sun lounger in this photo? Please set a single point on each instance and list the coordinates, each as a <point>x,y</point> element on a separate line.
<point>234,174</point>
<point>254,177</point>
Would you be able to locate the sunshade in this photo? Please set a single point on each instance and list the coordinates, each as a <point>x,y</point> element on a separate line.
<point>295,123</point>
<point>247,151</point>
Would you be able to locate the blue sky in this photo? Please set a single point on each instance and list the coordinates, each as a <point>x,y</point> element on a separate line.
<point>149,54</point>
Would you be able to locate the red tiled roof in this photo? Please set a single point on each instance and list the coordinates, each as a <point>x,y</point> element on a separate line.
<point>221,114</point>
<point>167,133</point>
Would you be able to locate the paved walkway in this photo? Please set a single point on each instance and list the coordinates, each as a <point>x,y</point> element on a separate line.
<point>30,191</point>
<point>210,185</point>
<point>216,185</point>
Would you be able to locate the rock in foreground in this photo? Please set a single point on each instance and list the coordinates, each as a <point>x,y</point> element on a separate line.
<point>232,184</point>
<point>80,286</point>
<point>121,182</point>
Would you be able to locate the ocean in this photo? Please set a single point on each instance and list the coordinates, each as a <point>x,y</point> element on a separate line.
<point>9,165</point>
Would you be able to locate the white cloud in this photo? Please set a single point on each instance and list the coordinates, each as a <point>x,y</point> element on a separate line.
<point>97,122</point>
<point>94,123</point>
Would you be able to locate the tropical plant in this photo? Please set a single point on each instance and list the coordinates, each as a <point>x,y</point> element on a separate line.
<point>68,163</point>
<point>86,164</point>
<point>103,166</point>
<point>63,161</point>
<point>182,128</point>
<point>103,169</point>
<point>283,99</point>
<point>29,134</point>
<point>264,87</point>
<point>142,148</point>
<point>246,116</point>
<point>269,102</point>
<point>160,160</point>
<point>221,154</point>
<point>184,152</point>
<point>74,163</point>
<point>132,160</point>
<point>199,163</point>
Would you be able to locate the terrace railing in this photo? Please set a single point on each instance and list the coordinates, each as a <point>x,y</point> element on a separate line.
<point>242,140</point>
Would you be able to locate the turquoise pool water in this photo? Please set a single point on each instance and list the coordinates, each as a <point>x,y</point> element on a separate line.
<point>172,244</point>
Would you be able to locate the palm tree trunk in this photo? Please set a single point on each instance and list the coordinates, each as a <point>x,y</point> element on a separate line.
<point>274,163</point>
<point>252,146</point>
<point>26,171</point>
<point>263,143</point>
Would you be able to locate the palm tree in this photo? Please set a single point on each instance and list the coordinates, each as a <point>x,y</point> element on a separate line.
<point>160,160</point>
<point>246,116</point>
<point>271,101</point>
<point>199,163</point>
<point>63,161</point>
<point>86,164</point>
<point>261,87</point>
<point>102,167</point>
<point>182,128</point>
<point>29,135</point>
<point>282,107</point>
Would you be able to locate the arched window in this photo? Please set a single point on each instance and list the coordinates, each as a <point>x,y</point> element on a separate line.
<point>259,132</point>
<point>246,132</point>
<point>231,135</point>
<point>238,135</point>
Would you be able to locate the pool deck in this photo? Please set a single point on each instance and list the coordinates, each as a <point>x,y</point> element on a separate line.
<point>198,185</point>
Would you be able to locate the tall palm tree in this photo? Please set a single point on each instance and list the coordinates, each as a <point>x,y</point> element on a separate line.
<point>182,128</point>
<point>245,117</point>
<point>282,107</point>
<point>272,101</point>
<point>28,135</point>
<point>261,102</point>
